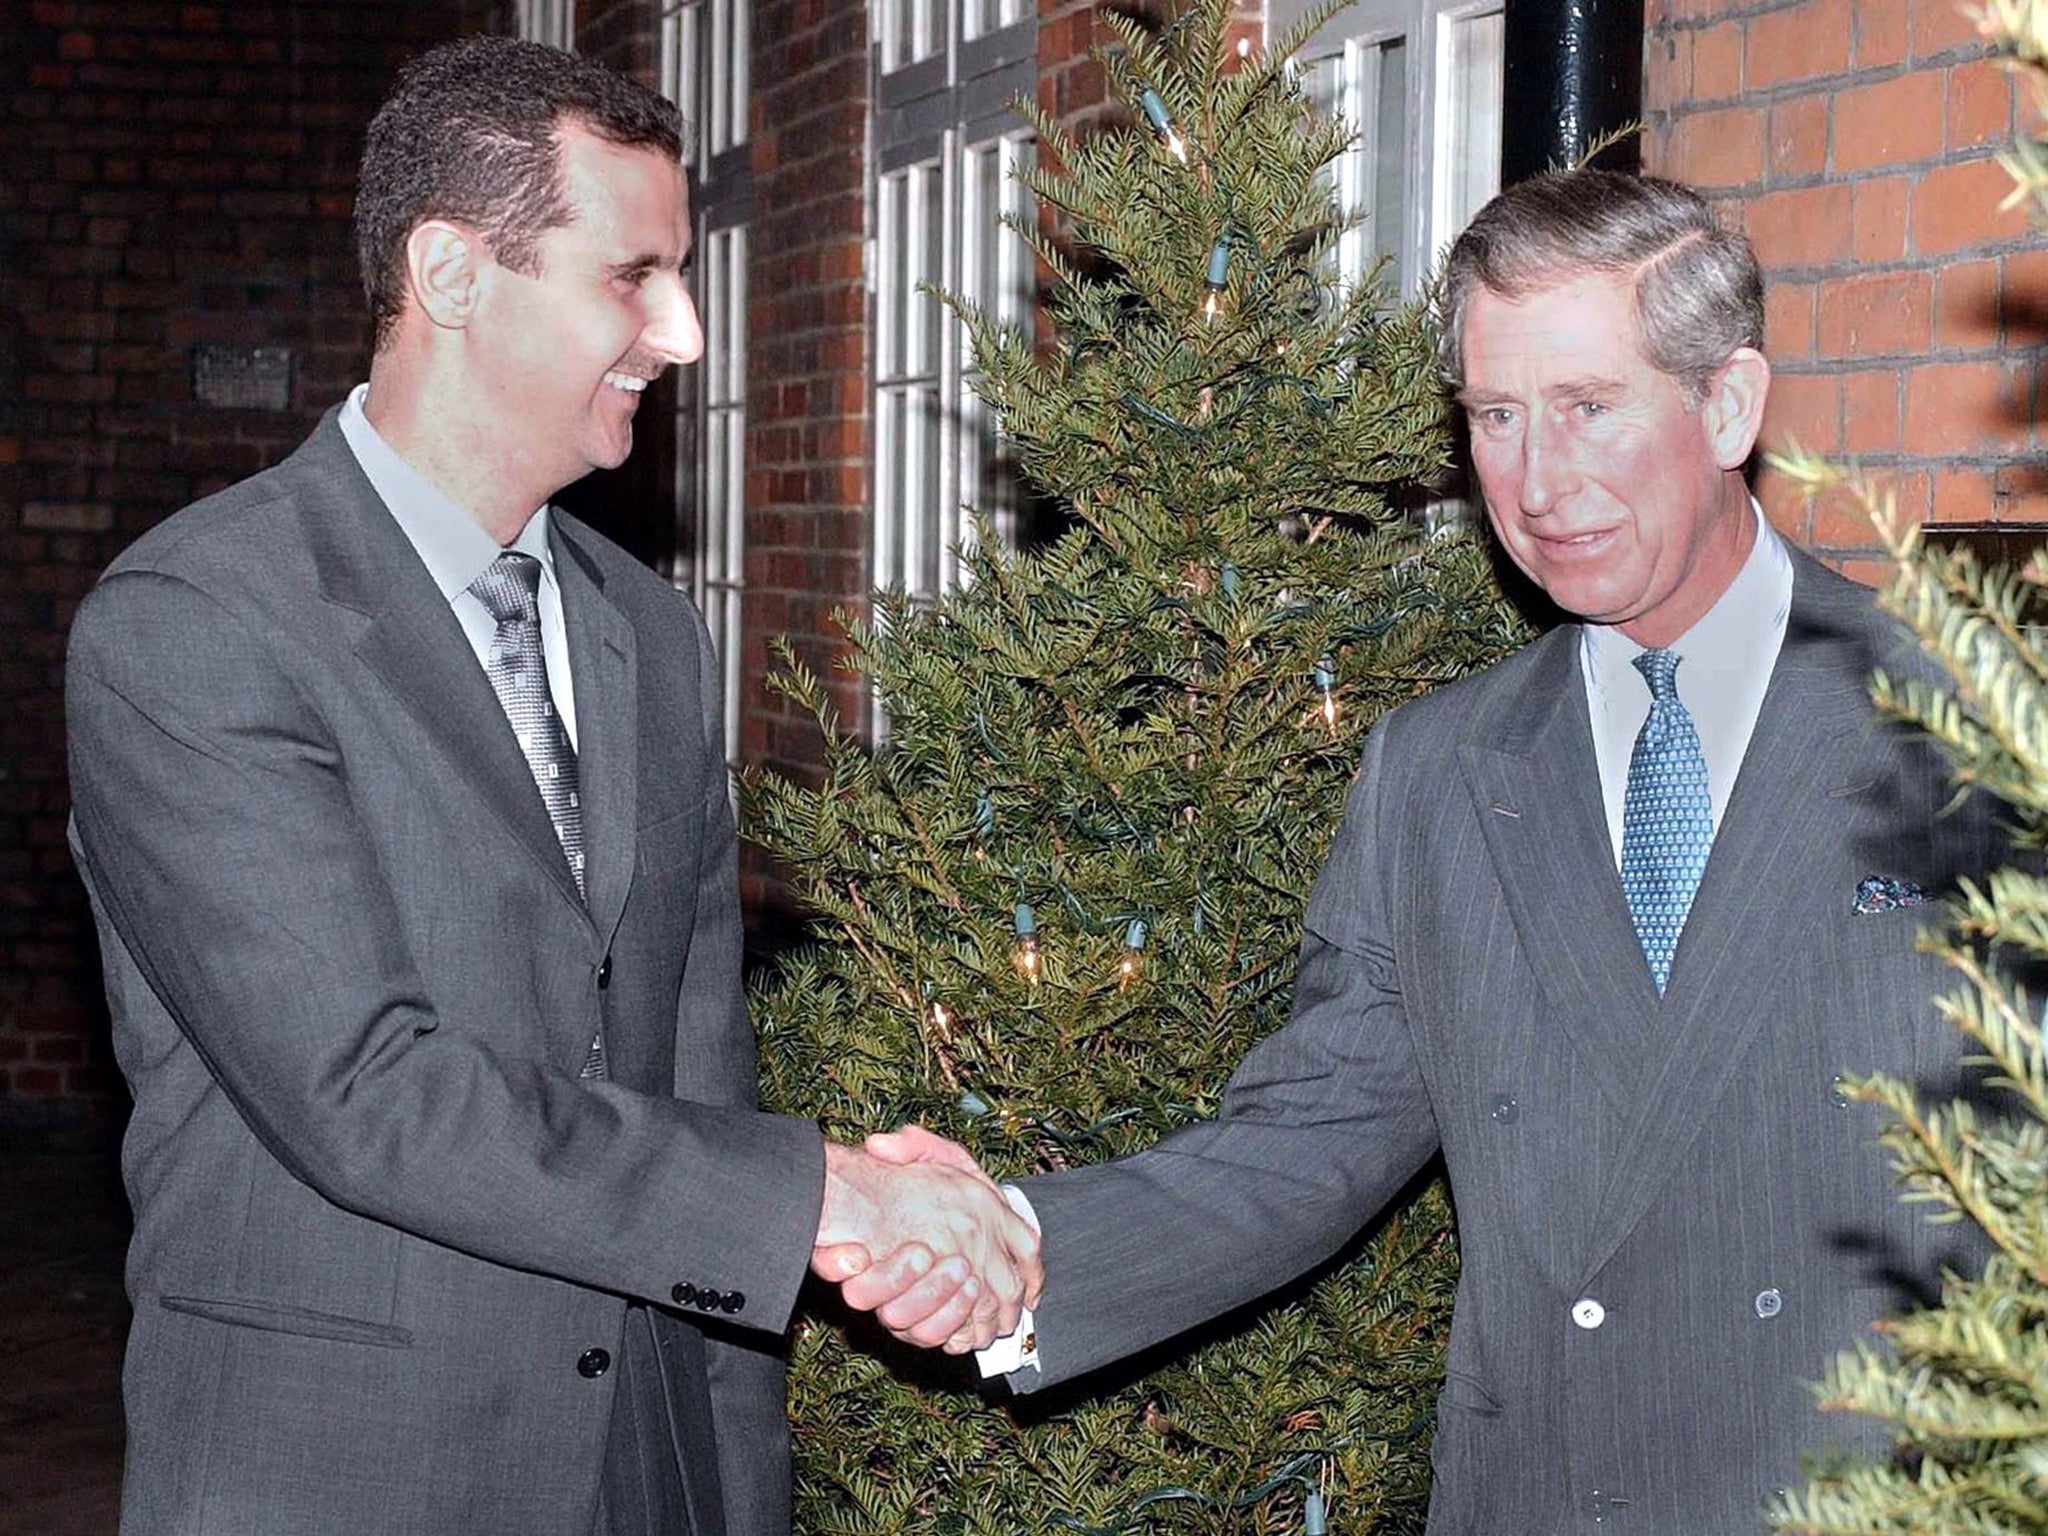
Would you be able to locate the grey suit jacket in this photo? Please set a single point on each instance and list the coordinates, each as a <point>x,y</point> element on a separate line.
<point>384,1236</point>
<point>1668,1220</point>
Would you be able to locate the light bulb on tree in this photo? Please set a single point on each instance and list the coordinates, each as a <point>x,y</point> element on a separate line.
<point>1029,961</point>
<point>1130,965</point>
<point>1216,281</point>
<point>1155,114</point>
<point>1326,681</point>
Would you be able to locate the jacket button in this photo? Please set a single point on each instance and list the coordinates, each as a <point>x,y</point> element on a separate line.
<point>684,1295</point>
<point>1769,1303</point>
<point>604,973</point>
<point>1505,1110</point>
<point>1588,1313</point>
<point>732,1301</point>
<point>593,1363</point>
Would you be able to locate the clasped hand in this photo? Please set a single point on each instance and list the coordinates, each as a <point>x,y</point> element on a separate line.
<point>913,1231</point>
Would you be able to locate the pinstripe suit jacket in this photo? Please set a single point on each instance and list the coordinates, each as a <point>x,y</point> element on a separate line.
<point>384,1236</point>
<point>1470,983</point>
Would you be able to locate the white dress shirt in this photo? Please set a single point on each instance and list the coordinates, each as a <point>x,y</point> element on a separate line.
<point>1726,665</point>
<point>456,550</point>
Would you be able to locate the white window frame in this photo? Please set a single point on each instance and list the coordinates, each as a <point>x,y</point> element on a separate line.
<point>936,118</point>
<point>718,560</point>
<point>704,69</point>
<point>1445,178</point>
<point>548,21</point>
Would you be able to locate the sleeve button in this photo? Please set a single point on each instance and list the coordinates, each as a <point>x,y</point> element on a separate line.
<point>683,1295</point>
<point>732,1301</point>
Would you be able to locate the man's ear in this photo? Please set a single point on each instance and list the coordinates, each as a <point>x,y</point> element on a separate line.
<point>444,268</point>
<point>1734,409</point>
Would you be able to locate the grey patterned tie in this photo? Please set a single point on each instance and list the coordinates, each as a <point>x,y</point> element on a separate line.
<point>518,669</point>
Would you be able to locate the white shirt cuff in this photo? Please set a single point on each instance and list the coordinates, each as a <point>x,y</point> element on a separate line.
<point>1013,1351</point>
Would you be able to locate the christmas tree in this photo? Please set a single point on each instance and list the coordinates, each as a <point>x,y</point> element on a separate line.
<point>1963,1386</point>
<point>1063,898</point>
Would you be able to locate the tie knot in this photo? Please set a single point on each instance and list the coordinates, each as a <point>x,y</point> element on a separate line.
<point>1660,671</point>
<point>510,586</point>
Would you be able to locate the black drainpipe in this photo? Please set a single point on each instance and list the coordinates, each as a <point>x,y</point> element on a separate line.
<point>1573,71</point>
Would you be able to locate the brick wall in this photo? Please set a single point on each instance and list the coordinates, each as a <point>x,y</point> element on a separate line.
<point>174,175</point>
<point>1853,139</point>
<point>807,369</point>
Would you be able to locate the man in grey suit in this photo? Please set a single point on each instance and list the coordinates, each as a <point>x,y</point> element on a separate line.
<point>1601,927</point>
<point>402,802</point>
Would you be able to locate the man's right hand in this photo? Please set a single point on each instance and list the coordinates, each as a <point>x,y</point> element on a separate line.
<point>956,1263</point>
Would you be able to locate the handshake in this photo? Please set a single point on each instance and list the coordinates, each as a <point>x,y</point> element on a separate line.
<point>913,1231</point>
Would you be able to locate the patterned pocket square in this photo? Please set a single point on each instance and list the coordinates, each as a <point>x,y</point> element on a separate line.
<point>1884,893</point>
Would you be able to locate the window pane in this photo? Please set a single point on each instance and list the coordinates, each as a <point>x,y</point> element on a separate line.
<point>1471,120</point>
<point>1388,203</point>
<point>930,258</point>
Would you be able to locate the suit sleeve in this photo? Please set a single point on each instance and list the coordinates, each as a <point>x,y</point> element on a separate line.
<point>213,814</point>
<point>1322,1123</point>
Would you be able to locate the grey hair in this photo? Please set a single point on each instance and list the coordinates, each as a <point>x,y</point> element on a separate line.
<point>1698,292</point>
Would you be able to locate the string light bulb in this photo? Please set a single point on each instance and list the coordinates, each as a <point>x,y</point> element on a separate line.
<point>1216,281</point>
<point>1029,960</point>
<point>1155,114</point>
<point>1130,965</point>
<point>1326,682</point>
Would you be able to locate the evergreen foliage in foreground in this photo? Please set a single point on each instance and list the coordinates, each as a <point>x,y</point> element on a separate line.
<point>1964,1386</point>
<point>1143,734</point>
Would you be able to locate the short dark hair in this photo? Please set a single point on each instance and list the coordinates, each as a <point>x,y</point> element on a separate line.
<point>470,132</point>
<point>1698,292</point>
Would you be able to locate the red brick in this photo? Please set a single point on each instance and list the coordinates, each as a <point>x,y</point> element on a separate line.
<point>2023,297</point>
<point>1716,63</point>
<point>1870,411</point>
<point>1897,122</point>
<point>1723,148</point>
<point>1875,314</point>
<point>2020,492</point>
<point>1943,26</point>
<point>1788,321</point>
<point>1957,206</point>
<point>1838,520</point>
<point>1798,42</point>
<point>1878,218</point>
<point>1865,573</point>
<point>1956,408</point>
<point>1804,227</point>
<point>1796,140</point>
<point>1966,306</point>
<point>1804,411</point>
<point>1980,103</point>
<point>1880,40</point>
<point>1961,496</point>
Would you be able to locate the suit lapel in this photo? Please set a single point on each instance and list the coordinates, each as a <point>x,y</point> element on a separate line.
<point>410,638</point>
<point>1813,742</point>
<point>601,656</point>
<point>1537,796</point>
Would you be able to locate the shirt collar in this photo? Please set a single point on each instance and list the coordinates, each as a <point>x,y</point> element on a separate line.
<point>1731,638</point>
<point>448,540</point>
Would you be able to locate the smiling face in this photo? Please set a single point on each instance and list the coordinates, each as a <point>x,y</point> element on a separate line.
<point>1620,500</point>
<point>562,355</point>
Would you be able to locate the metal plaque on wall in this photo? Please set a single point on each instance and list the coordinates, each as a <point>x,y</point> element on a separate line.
<point>242,378</point>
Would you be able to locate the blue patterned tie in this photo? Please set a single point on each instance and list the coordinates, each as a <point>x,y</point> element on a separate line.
<point>1667,818</point>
